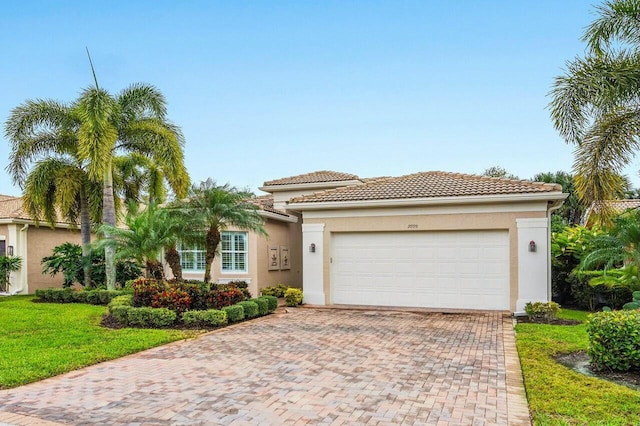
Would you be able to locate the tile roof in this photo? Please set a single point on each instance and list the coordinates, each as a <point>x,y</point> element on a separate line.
<point>428,185</point>
<point>314,177</point>
<point>265,202</point>
<point>11,208</point>
<point>620,206</point>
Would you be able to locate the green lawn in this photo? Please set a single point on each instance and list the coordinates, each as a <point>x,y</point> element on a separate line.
<point>40,340</point>
<point>559,396</point>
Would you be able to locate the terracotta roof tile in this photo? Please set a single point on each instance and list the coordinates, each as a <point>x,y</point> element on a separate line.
<point>428,185</point>
<point>620,206</point>
<point>314,177</point>
<point>265,202</point>
<point>11,208</point>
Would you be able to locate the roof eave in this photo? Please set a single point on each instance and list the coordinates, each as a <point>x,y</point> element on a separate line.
<point>409,202</point>
<point>279,217</point>
<point>21,221</point>
<point>312,185</point>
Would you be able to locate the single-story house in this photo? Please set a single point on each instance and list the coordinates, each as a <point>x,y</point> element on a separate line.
<point>432,239</point>
<point>615,206</point>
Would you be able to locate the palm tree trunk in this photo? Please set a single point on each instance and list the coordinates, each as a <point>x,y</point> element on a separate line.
<point>85,236</point>
<point>212,241</point>
<point>109,218</point>
<point>172,257</point>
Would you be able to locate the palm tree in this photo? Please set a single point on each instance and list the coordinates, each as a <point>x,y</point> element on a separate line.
<point>616,253</point>
<point>596,106</point>
<point>572,209</point>
<point>148,231</point>
<point>95,129</point>
<point>211,209</point>
<point>8,264</point>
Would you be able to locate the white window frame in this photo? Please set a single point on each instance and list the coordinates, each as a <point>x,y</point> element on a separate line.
<point>234,251</point>
<point>194,252</point>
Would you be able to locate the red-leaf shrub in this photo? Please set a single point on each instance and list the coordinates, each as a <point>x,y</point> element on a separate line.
<point>144,290</point>
<point>173,298</point>
<point>222,295</point>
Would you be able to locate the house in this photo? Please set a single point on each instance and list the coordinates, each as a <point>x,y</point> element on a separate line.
<point>21,236</point>
<point>434,239</point>
<point>616,206</point>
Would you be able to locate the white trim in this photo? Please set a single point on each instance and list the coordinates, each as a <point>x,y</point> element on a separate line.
<point>537,206</point>
<point>228,280</point>
<point>279,217</point>
<point>544,196</point>
<point>11,221</point>
<point>245,251</point>
<point>313,185</point>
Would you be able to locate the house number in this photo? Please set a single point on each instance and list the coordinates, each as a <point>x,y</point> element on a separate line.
<point>412,226</point>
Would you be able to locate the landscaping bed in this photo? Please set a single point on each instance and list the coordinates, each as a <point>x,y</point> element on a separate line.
<point>579,361</point>
<point>557,394</point>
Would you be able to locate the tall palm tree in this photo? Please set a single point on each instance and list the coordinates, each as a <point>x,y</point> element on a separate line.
<point>211,209</point>
<point>596,104</point>
<point>96,128</point>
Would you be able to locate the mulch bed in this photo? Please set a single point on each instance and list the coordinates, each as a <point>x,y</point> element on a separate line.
<point>552,321</point>
<point>572,360</point>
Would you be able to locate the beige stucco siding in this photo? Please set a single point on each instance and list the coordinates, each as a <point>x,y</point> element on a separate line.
<point>421,223</point>
<point>40,243</point>
<point>280,234</point>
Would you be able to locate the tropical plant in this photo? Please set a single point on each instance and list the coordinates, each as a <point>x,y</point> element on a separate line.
<point>499,172</point>
<point>573,208</point>
<point>8,264</point>
<point>93,131</point>
<point>618,250</point>
<point>595,104</point>
<point>148,231</point>
<point>67,259</point>
<point>210,209</point>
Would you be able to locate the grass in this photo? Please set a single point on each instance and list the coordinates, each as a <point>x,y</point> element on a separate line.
<point>40,340</point>
<point>558,395</point>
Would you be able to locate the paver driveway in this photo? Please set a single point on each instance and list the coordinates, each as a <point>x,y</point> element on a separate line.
<point>307,366</point>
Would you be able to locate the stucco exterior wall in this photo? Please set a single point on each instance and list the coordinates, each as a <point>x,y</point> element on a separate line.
<point>40,242</point>
<point>424,220</point>
<point>281,234</point>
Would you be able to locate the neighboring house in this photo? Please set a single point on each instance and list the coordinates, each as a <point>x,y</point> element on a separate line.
<point>616,206</point>
<point>433,239</point>
<point>20,236</point>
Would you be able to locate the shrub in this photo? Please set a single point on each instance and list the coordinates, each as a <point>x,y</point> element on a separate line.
<point>293,297</point>
<point>250,308</point>
<point>210,317</point>
<point>635,303</point>
<point>235,313</point>
<point>120,313</point>
<point>542,310</point>
<point>243,286</point>
<point>221,295</point>
<point>173,298</point>
<point>272,301</point>
<point>197,291</point>
<point>123,300</point>
<point>67,295</point>
<point>614,340</point>
<point>150,317</point>
<point>263,306</point>
<point>276,290</point>
<point>144,290</point>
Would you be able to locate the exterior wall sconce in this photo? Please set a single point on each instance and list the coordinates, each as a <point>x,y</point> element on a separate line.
<point>532,246</point>
<point>10,251</point>
<point>312,248</point>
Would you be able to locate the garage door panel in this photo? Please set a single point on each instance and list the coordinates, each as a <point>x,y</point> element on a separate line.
<point>462,269</point>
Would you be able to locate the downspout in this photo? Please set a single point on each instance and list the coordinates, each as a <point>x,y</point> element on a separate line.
<point>552,207</point>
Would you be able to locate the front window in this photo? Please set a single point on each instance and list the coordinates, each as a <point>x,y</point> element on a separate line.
<point>234,251</point>
<point>192,258</point>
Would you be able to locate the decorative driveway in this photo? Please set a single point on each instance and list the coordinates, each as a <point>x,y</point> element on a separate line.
<point>306,366</point>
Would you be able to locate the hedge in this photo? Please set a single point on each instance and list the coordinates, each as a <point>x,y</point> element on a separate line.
<point>250,309</point>
<point>293,297</point>
<point>272,301</point>
<point>235,313</point>
<point>614,340</point>
<point>210,317</point>
<point>67,295</point>
<point>263,306</point>
<point>150,317</point>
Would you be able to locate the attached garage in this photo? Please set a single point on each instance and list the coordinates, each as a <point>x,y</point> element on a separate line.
<point>449,269</point>
<point>429,240</point>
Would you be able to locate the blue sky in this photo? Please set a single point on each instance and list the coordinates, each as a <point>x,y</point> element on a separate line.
<point>264,90</point>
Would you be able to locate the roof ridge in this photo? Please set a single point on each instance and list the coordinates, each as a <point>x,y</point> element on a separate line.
<point>503,179</point>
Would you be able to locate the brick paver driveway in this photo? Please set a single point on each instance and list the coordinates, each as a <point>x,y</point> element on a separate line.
<point>307,366</point>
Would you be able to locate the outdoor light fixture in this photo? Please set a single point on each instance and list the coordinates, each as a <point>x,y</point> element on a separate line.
<point>10,251</point>
<point>532,246</point>
<point>312,248</point>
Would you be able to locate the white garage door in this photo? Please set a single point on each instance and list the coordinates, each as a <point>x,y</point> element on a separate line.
<point>458,269</point>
